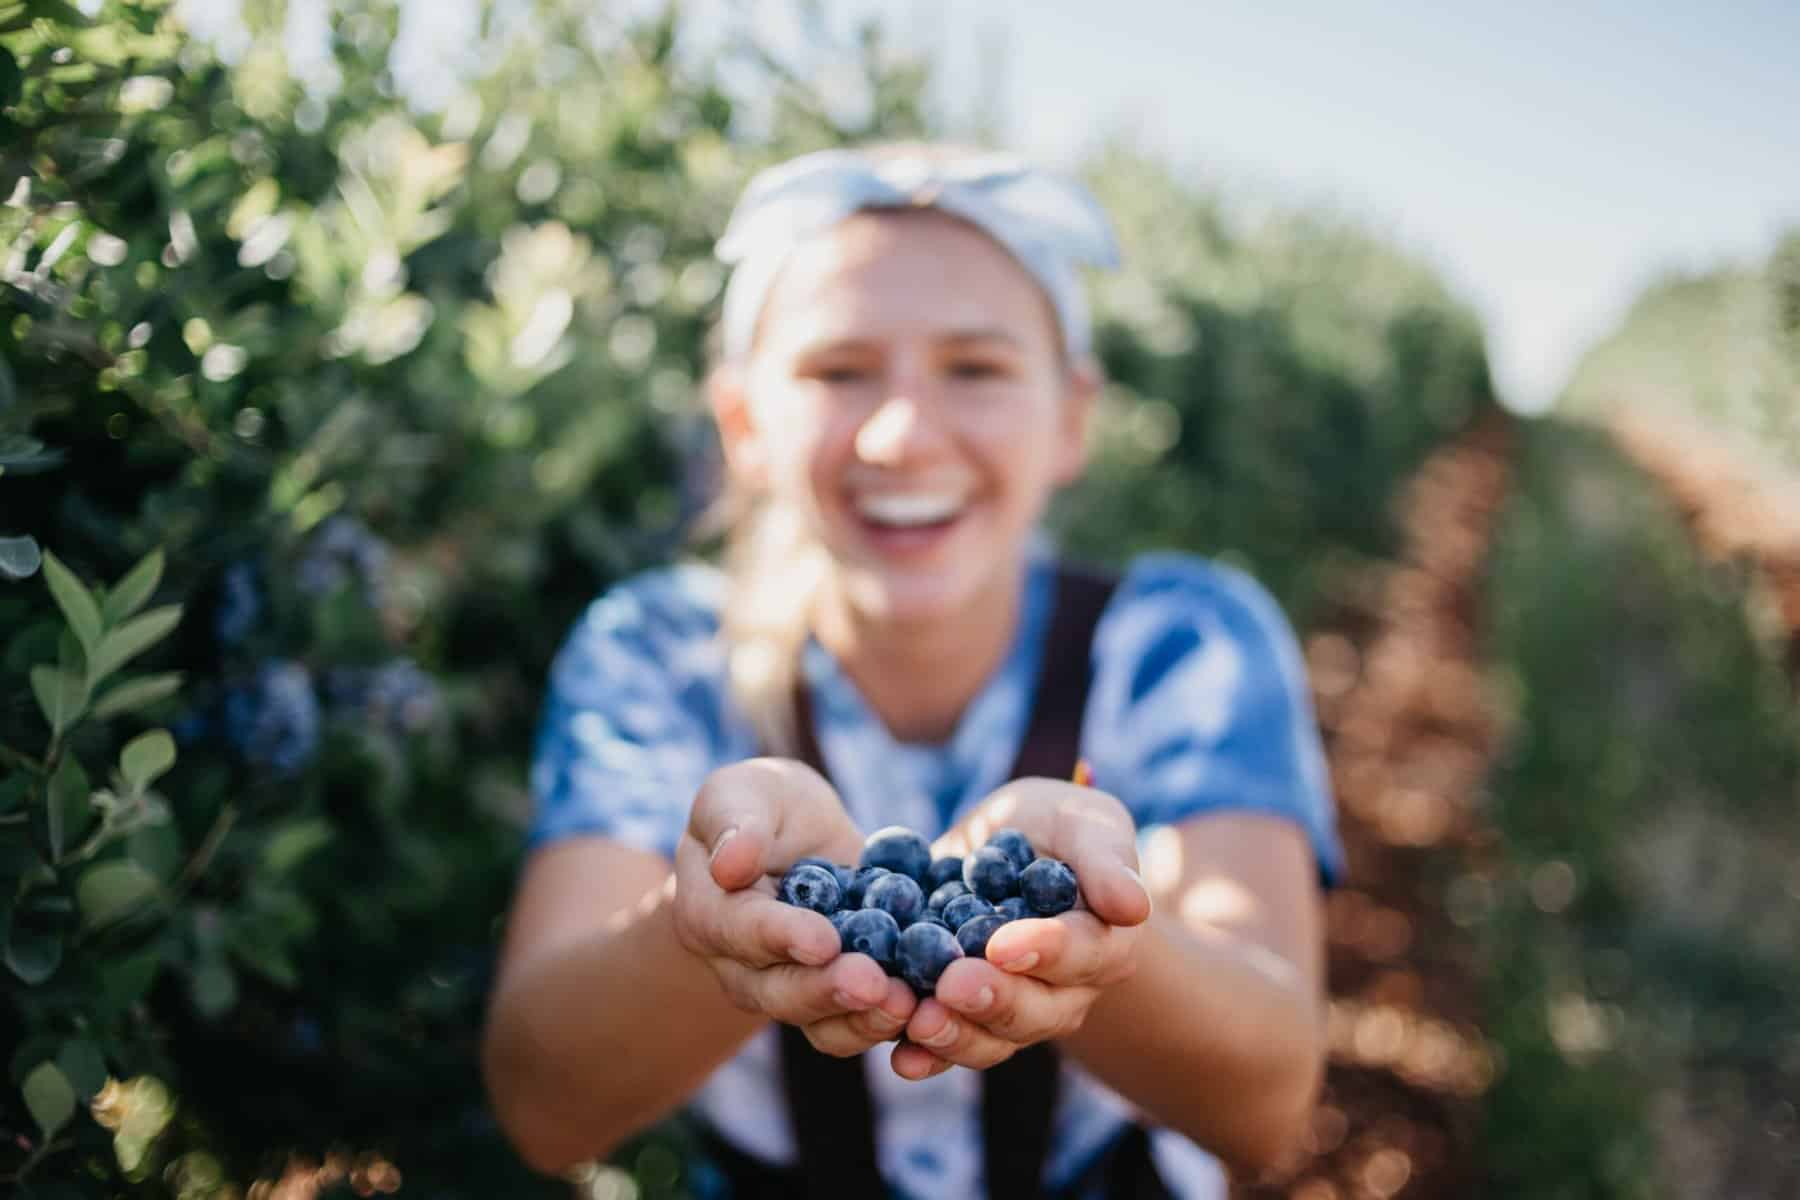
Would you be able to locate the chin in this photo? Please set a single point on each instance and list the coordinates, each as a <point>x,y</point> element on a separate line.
<point>912,598</point>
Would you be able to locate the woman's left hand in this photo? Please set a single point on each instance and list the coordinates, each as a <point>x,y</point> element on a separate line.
<point>1041,976</point>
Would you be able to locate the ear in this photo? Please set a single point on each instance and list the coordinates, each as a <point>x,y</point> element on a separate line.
<point>729,396</point>
<point>1082,382</point>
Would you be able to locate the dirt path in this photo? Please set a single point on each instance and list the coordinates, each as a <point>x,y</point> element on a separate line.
<point>1733,515</point>
<point>1410,733</point>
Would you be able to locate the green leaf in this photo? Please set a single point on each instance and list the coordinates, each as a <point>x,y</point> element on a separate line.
<point>49,1097</point>
<point>145,757</point>
<point>130,639</point>
<point>70,811</point>
<point>137,693</point>
<point>19,557</point>
<point>132,591</point>
<point>214,988</point>
<point>76,602</point>
<point>293,843</point>
<point>126,981</point>
<point>113,889</point>
<point>58,11</point>
<point>84,1064</point>
<point>268,959</point>
<point>61,694</point>
<point>33,954</point>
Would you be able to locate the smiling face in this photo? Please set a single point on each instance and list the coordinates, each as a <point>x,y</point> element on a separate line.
<point>908,396</point>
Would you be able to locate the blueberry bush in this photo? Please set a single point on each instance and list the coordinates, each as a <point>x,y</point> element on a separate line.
<point>321,417</point>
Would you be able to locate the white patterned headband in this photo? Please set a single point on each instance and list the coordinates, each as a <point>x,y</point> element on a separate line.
<point>1048,223</point>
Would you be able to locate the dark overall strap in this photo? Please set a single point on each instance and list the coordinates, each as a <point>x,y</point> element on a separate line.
<point>828,1099</point>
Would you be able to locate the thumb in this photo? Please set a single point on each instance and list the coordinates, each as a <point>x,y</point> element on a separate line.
<point>746,815</point>
<point>1117,894</point>
<point>1104,857</point>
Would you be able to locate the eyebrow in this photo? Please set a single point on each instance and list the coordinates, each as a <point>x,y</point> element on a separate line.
<point>955,337</point>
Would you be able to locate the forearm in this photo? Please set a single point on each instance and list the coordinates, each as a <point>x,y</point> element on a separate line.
<point>593,1040</point>
<point>1215,1037</point>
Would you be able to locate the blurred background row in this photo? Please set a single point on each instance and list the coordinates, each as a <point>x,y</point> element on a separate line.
<point>348,349</point>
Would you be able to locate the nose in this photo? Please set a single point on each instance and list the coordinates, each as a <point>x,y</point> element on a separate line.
<point>901,428</point>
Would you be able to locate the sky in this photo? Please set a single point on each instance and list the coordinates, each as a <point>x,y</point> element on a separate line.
<point>1550,159</point>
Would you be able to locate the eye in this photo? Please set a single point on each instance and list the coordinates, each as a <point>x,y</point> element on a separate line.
<point>977,368</point>
<point>836,373</point>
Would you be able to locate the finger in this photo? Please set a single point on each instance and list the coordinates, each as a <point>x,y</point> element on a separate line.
<point>1097,838</point>
<point>1087,828</point>
<point>800,995</point>
<point>1015,1009</point>
<point>1075,949</point>
<point>859,1031</point>
<point>761,931</point>
<point>914,1062</point>
<point>741,816</point>
<point>749,925</point>
<point>956,1039</point>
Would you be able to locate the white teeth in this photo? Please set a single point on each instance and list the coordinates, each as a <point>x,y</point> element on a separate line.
<point>909,508</point>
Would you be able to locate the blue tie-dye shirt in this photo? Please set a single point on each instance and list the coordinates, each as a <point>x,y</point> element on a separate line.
<point>1198,704</point>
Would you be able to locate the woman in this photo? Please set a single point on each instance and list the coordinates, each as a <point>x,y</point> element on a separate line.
<point>905,382</point>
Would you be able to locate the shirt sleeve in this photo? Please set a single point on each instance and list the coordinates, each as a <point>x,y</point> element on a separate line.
<point>630,726</point>
<point>1200,704</point>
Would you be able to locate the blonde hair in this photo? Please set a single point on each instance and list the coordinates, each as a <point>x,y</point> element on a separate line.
<point>774,568</point>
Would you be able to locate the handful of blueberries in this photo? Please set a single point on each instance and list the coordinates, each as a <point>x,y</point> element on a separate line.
<point>916,916</point>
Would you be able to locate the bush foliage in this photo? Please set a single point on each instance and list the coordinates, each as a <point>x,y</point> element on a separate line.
<point>320,420</point>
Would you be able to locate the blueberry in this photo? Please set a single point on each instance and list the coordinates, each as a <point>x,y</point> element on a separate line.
<point>273,721</point>
<point>844,875</point>
<point>402,697</point>
<point>811,887</point>
<point>1048,886</point>
<point>932,918</point>
<point>965,908</point>
<point>942,871</point>
<point>897,896</point>
<point>990,874</point>
<point>872,932</point>
<point>1017,847</point>
<point>859,882</point>
<point>838,920</point>
<point>240,604</point>
<point>342,548</point>
<point>1014,908</point>
<point>973,936</point>
<point>900,850</point>
<point>925,950</point>
<point>946,894</point>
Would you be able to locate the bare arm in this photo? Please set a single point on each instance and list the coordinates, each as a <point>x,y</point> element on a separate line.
<point>577,1053</point>
<point>1220,1032</point>
<point>623,984</point>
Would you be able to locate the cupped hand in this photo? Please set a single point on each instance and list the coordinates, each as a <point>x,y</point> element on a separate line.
<point>1041,976</point>
<point>749,823</point>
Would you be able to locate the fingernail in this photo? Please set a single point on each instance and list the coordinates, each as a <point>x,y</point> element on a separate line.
<point>846,1000</point>
<point>1024,962</point>
<point>983,999</point>
<point>719,842</point>
<point>942,1037</point>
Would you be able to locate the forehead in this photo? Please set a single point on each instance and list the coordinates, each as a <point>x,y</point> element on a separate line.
<point>909,272</point>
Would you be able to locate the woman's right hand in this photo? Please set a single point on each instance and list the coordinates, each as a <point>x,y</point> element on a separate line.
<point>750,822</point>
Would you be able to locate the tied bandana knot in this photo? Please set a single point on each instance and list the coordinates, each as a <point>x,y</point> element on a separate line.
<point>1050,224</point>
